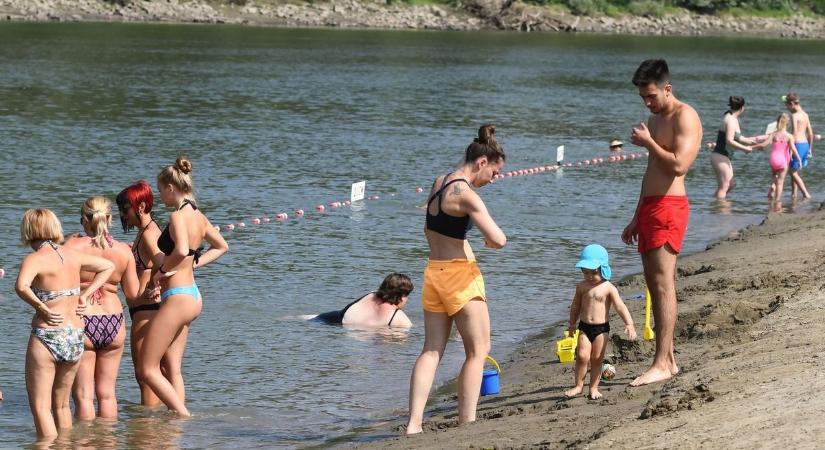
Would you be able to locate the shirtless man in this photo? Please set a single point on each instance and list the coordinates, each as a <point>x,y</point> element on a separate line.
<point>673,135</point>
<point>803,136</point>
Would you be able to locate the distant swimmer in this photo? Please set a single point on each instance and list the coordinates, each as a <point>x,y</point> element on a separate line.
<point>804,137</point>
<point>382,308</point>
<point>616,146</point>
<point>728,139</point>
<point>782,149</point>
<point>661,218</point>
<point>453,286</point>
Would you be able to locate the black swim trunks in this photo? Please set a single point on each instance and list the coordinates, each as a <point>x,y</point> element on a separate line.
<point>592,331</point>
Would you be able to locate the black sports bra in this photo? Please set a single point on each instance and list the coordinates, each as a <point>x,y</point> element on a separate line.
<point>443,223</point>
<point>167,245</point>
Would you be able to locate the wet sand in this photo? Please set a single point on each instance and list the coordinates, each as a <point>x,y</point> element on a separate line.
<point>749,344</point>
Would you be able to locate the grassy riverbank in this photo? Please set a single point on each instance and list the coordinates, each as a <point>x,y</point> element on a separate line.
<point>763,18</point>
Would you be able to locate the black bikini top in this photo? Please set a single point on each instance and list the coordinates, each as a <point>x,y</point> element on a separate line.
<point>443,223</point>
<point>167,245</point>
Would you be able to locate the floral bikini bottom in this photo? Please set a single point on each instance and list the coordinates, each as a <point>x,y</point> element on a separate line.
<point>65,344</point>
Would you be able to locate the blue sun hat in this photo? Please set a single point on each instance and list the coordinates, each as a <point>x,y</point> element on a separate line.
<point>593,257</point>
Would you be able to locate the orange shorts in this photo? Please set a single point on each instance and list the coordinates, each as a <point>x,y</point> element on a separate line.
<point>662,219</point>
<point>450,284</point>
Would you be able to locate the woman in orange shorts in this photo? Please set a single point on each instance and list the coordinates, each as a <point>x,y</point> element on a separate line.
<point>453,286</point>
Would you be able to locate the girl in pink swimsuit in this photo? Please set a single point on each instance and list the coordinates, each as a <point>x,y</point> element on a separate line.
<point>781,147</point>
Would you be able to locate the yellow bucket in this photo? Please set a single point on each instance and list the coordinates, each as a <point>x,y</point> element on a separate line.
<point>566,348</point>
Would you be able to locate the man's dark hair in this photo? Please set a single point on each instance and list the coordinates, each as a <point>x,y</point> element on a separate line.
<point>652,71</point>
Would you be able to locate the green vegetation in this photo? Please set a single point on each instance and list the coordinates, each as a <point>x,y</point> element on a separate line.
<point>765,8</point>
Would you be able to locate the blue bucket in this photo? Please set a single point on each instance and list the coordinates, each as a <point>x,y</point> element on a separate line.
<point>490,380</point>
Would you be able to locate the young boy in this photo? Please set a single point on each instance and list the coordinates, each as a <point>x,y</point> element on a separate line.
<point>591,305</point>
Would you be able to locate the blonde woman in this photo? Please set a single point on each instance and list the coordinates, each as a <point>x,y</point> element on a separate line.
<point>453,286</point>
<point>104,326</point>
<point>135,206</point>
<point>181,301</point>
<point>49,281</point>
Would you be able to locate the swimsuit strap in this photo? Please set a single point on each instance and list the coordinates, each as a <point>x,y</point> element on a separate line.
<point>440,190</point>
<point>186,201</point>
<point>393,316</point>
<point>140,233</point>
<point>53,246</point>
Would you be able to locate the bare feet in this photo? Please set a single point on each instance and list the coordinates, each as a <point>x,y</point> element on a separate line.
<point>653,375</point>
<point>570,393</point>
<point>413,429</point>
<point>594,394</point>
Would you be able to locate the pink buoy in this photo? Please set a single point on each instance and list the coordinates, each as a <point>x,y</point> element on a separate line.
<point>299,212</point>
<point>586,162</point>
<point>818,137</point>
<point>265,220</point>
<point>217,228</point>
<point>419,189</point>
<point>256,221</point>
<point>578,163</point>
<point>320,208</point>
<point>2,273</point>
<point>601,160</point>
<point>595,161</point>
<point>281,217</point>
<point>633,156</point>
<point>347,202</point>
<point>230,227</point>
<point>241,224</point>
<point>334,204</point>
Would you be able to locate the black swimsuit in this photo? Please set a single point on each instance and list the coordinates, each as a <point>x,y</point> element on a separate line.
<point>337,317</point>
<point>443,223</point>
<point>167,245</point>
<point>592,331</point>
<point>721,145</point>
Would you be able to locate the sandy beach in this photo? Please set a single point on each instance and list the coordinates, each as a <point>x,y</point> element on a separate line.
<point>749,344</point>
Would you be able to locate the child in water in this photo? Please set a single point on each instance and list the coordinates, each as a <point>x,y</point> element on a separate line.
<point>591,305</point>
<point>782,149</point>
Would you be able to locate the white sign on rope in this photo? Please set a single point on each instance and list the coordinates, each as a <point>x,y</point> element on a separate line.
<point>358,190</point>
<point>559,154</point>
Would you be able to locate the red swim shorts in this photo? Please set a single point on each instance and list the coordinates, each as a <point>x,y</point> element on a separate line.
<point>662,219</point>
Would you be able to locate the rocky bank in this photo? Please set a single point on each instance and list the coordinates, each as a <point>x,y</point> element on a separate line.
<point>384,14</point>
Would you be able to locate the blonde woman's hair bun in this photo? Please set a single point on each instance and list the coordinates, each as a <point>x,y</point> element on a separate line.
<point>183,164</point>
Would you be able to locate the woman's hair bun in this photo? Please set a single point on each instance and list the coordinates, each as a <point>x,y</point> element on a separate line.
<point>183,164</point>
<point>486,134</point>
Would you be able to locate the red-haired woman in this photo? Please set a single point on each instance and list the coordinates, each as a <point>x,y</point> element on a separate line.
<point>135,206</point>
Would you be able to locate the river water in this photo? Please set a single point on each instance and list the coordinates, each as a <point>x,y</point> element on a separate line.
<point>276,120</point>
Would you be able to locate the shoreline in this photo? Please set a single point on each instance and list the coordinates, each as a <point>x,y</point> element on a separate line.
<point>470,15</point>
<point>730,320</point>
